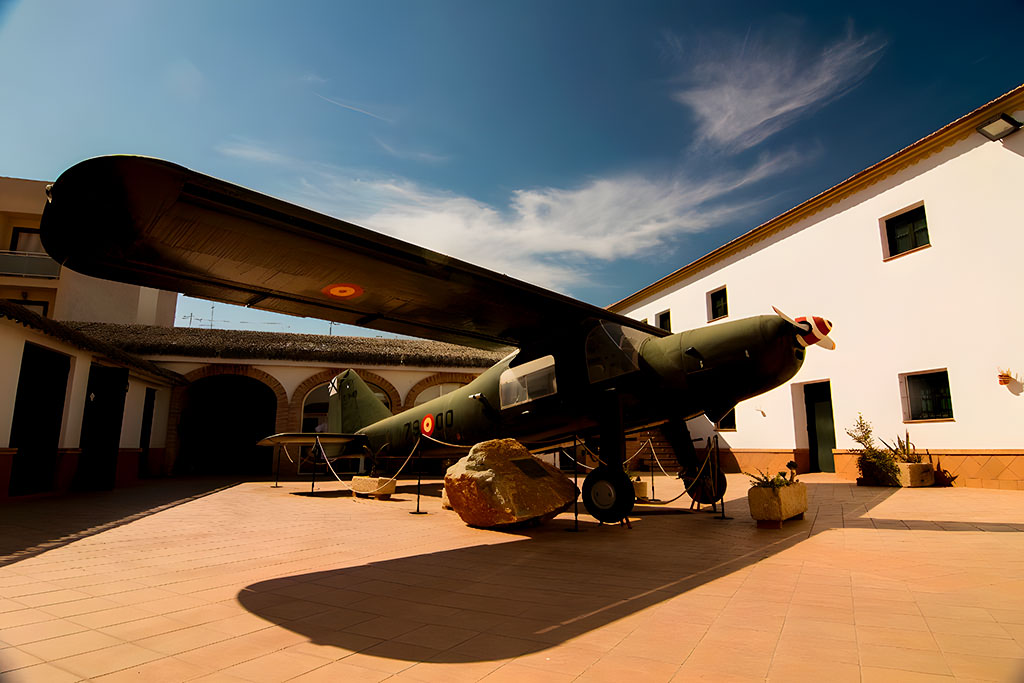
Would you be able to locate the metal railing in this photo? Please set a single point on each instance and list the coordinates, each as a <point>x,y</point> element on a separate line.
<point>28,264</point>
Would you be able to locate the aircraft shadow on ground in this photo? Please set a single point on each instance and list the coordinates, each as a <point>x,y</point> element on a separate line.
<point>552,586</point>
<point>32,527</point>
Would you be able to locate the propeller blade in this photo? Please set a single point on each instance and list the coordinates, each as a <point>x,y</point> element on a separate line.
<point>806,327</point>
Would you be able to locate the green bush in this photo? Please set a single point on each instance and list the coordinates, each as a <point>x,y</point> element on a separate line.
<point>877,467</point>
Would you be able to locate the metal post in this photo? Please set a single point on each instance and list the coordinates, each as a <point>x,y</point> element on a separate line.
<point>277,474</point>
<point>312,484</point>
<point>718,464</point>
<point>418,471</point>
<point>575,481</point>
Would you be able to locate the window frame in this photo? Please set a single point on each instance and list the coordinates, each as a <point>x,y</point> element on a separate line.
<point>883,226</point>
<point>905,398</point>
<point>665,315</point>
<point>19,230</point>
<point>710,305</point>
<point>733,428</point>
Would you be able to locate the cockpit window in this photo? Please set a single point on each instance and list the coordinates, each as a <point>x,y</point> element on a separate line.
<point>528,382</point>
<point>613,350</point>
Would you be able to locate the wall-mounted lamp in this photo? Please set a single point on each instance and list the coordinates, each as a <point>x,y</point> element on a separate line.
<point>998,127</point>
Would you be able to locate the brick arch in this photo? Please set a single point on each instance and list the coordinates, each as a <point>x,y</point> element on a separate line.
<point>324,376</point>
<point>439,378</point>
<point>178,401</point>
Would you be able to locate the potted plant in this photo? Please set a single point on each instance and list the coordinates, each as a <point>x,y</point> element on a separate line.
<point>912,470</point>
<point>773,499</point>
<point>877,467</point>
<point>1005,376</point>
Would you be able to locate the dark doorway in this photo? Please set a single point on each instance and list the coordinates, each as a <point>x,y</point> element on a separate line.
<point>147,432</point>
<point>821,430</point>
<point>222,419</point>
<point>101,428</point>
<point>38,413</point>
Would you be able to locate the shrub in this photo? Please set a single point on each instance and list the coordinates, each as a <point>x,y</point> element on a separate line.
<point>877,467</point>
<point>904,450</point>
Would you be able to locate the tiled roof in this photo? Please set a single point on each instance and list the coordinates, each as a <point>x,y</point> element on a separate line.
<point>150,340</point>
<point>67,332</point>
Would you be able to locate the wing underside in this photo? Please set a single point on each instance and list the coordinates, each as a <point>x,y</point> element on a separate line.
<point>149,222</point>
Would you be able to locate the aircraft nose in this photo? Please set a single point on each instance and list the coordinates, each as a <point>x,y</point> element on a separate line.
<point>813,330</point>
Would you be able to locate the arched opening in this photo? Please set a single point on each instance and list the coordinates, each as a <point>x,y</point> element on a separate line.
<point>222,419</point>
<point>314,408</point>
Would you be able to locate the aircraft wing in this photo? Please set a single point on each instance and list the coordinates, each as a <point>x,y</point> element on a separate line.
<point>149,222</point>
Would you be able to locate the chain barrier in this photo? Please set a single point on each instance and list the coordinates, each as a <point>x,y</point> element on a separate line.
<point>379,488</point>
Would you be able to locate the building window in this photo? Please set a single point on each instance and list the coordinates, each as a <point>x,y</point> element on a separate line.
<point>718,304</point>
<point>664,320</point>
<point>906,231</point>
<point>926,396</point>
<point>727,423</point>
<point>27,240</point>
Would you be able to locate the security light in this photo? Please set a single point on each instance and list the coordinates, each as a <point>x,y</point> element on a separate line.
<point>998,127</point>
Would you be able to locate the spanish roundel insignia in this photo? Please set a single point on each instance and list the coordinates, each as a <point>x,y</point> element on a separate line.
<point>427,425</point>
<point>342,291</point>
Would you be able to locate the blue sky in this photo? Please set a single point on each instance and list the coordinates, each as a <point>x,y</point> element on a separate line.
<point>590,147</point>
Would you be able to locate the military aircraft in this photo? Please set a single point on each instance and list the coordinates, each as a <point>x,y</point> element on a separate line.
<point>577,370</point>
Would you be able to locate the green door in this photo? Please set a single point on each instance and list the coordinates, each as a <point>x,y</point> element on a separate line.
<point>821,430</point>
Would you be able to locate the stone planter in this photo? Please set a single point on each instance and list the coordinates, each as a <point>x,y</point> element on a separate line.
<point>770,507</point>
<point>640,489</point>
<point>916,474</point>
<point>378,487</point>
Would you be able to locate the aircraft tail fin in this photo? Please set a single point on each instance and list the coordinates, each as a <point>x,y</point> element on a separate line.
<point>352,404</point>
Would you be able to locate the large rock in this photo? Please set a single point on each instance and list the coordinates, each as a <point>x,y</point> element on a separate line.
<point>501,483</point>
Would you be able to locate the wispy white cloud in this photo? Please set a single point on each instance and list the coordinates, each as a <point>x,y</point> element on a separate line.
<point>364,112</point>
<point>410,154</point>
<point>313,79</point>
<point>548,236</point>
<point>743,92</point>
<point>249,150</point>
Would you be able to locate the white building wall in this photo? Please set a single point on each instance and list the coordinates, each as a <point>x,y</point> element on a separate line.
<point>12,344</point>
<point>131,421</point>
<point>950,305</point>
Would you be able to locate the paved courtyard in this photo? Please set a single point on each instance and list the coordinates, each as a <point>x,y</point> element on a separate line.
<point>199,580</point>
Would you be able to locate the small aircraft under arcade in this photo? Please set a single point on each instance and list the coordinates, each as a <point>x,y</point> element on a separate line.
<point>577,370</point>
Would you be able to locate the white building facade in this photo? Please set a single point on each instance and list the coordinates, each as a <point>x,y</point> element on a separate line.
<point>917,262</point>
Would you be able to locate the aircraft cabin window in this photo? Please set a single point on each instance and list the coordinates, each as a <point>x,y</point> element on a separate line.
<point>528,382</point>
<point>613,350</point>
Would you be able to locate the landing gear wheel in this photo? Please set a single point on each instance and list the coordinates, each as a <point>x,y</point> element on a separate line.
<point>608,494</point>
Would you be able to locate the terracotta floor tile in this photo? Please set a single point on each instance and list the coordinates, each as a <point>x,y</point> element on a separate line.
<point>984,668</point>
<point>875,635</point>
<point>514,673</point>
<point>107,660</point>
<point>46,673</point>
<point>903,659</point>
<point>336,672</point>
<point>986,646</point>
<point>55,628</point>
<point>12,658</point>
<point>871,674</point>
<point>166,670</point>
<point>277,666</point>
<point>73,644</point>
<point>797,669</point>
